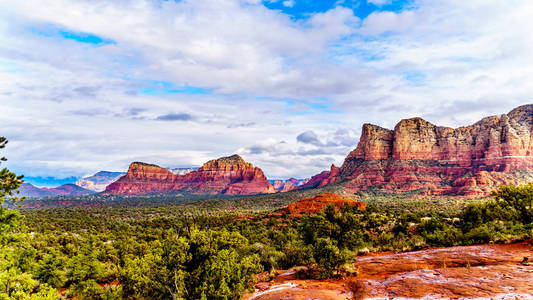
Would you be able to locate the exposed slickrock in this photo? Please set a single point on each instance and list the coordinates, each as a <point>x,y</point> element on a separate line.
<point>472,272</point>
<point>418,156</point>
<point>227,175</point>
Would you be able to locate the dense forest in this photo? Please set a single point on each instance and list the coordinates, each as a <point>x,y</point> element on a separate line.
<point>176,251</point>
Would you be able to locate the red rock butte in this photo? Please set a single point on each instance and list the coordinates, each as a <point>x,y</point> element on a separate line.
<point>315,204</point>
<point>420,157</point>
<point>227,175</point>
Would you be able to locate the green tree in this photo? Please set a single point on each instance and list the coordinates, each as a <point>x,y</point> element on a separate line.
<point>16,254</point>
<point>329,258</point>
<point>51,270</point>
<point>83,273</point>
<point>519,198</point>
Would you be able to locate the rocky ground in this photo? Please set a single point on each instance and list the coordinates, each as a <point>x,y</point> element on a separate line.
<point>472,272</point>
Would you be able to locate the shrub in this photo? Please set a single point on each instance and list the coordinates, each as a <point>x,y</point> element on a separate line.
<point>329,258</point>
<point>359,288</point>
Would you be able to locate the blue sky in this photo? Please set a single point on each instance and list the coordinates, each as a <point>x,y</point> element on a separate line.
<point>94,85</point>
<point>304,9</point>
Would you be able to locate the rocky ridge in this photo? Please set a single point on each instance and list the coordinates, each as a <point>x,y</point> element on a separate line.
<point>227,175</point>
<point>420,157</point>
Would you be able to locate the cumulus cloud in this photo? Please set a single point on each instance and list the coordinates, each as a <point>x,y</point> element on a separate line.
<point>379,2</point>
<point>250,76</point>
<point>308,137</point>
<point>289,3</point>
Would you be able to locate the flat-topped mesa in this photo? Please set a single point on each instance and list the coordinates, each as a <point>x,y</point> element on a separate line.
<point>226,175</point>
<point>233,160</point>
<point>418,155</point>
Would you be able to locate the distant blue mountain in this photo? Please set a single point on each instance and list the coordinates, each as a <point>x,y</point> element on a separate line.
<point>99,181</point>
<point>49,181</point>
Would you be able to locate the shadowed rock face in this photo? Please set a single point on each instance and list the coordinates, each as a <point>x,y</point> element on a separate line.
<point>419,156</point>
<point>227,175</point>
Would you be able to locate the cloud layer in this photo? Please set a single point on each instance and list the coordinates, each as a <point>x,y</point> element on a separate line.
<point>91,85</point>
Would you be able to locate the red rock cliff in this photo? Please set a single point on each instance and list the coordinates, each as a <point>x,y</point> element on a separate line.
<point>418,156</point>
<point>227,175</point>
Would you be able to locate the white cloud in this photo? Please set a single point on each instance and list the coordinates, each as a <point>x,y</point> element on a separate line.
<point>71,108</point>
<point>289,3</point>
<point>379,2</point>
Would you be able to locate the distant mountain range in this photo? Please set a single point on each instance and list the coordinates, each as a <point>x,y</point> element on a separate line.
<point>99,181</point>
<point>288,185</point>
<point>69,189</point>
<point>415,157</point>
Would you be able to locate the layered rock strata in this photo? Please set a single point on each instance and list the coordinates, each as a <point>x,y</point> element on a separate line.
<point>418,156</point>
<point>227,175</point>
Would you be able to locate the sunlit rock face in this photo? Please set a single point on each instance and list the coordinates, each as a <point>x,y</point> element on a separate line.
<point>418,156</point>
<point>227,175</point>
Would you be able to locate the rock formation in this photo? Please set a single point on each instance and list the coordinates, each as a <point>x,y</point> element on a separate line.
<point>316,204</point>
<point>227,175</point>
<point>418,156</point>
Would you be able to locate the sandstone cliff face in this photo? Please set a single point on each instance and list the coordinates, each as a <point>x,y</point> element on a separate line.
<point>227,175</point>
<point>418,156</point>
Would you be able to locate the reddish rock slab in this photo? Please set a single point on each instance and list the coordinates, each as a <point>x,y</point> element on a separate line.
<point>472,272</point>
<point>482,271</point>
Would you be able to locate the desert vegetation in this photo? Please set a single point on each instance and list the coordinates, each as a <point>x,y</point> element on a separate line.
<point>183,250</point>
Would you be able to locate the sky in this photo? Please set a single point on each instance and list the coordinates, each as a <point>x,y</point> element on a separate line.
<point>287,84</point>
